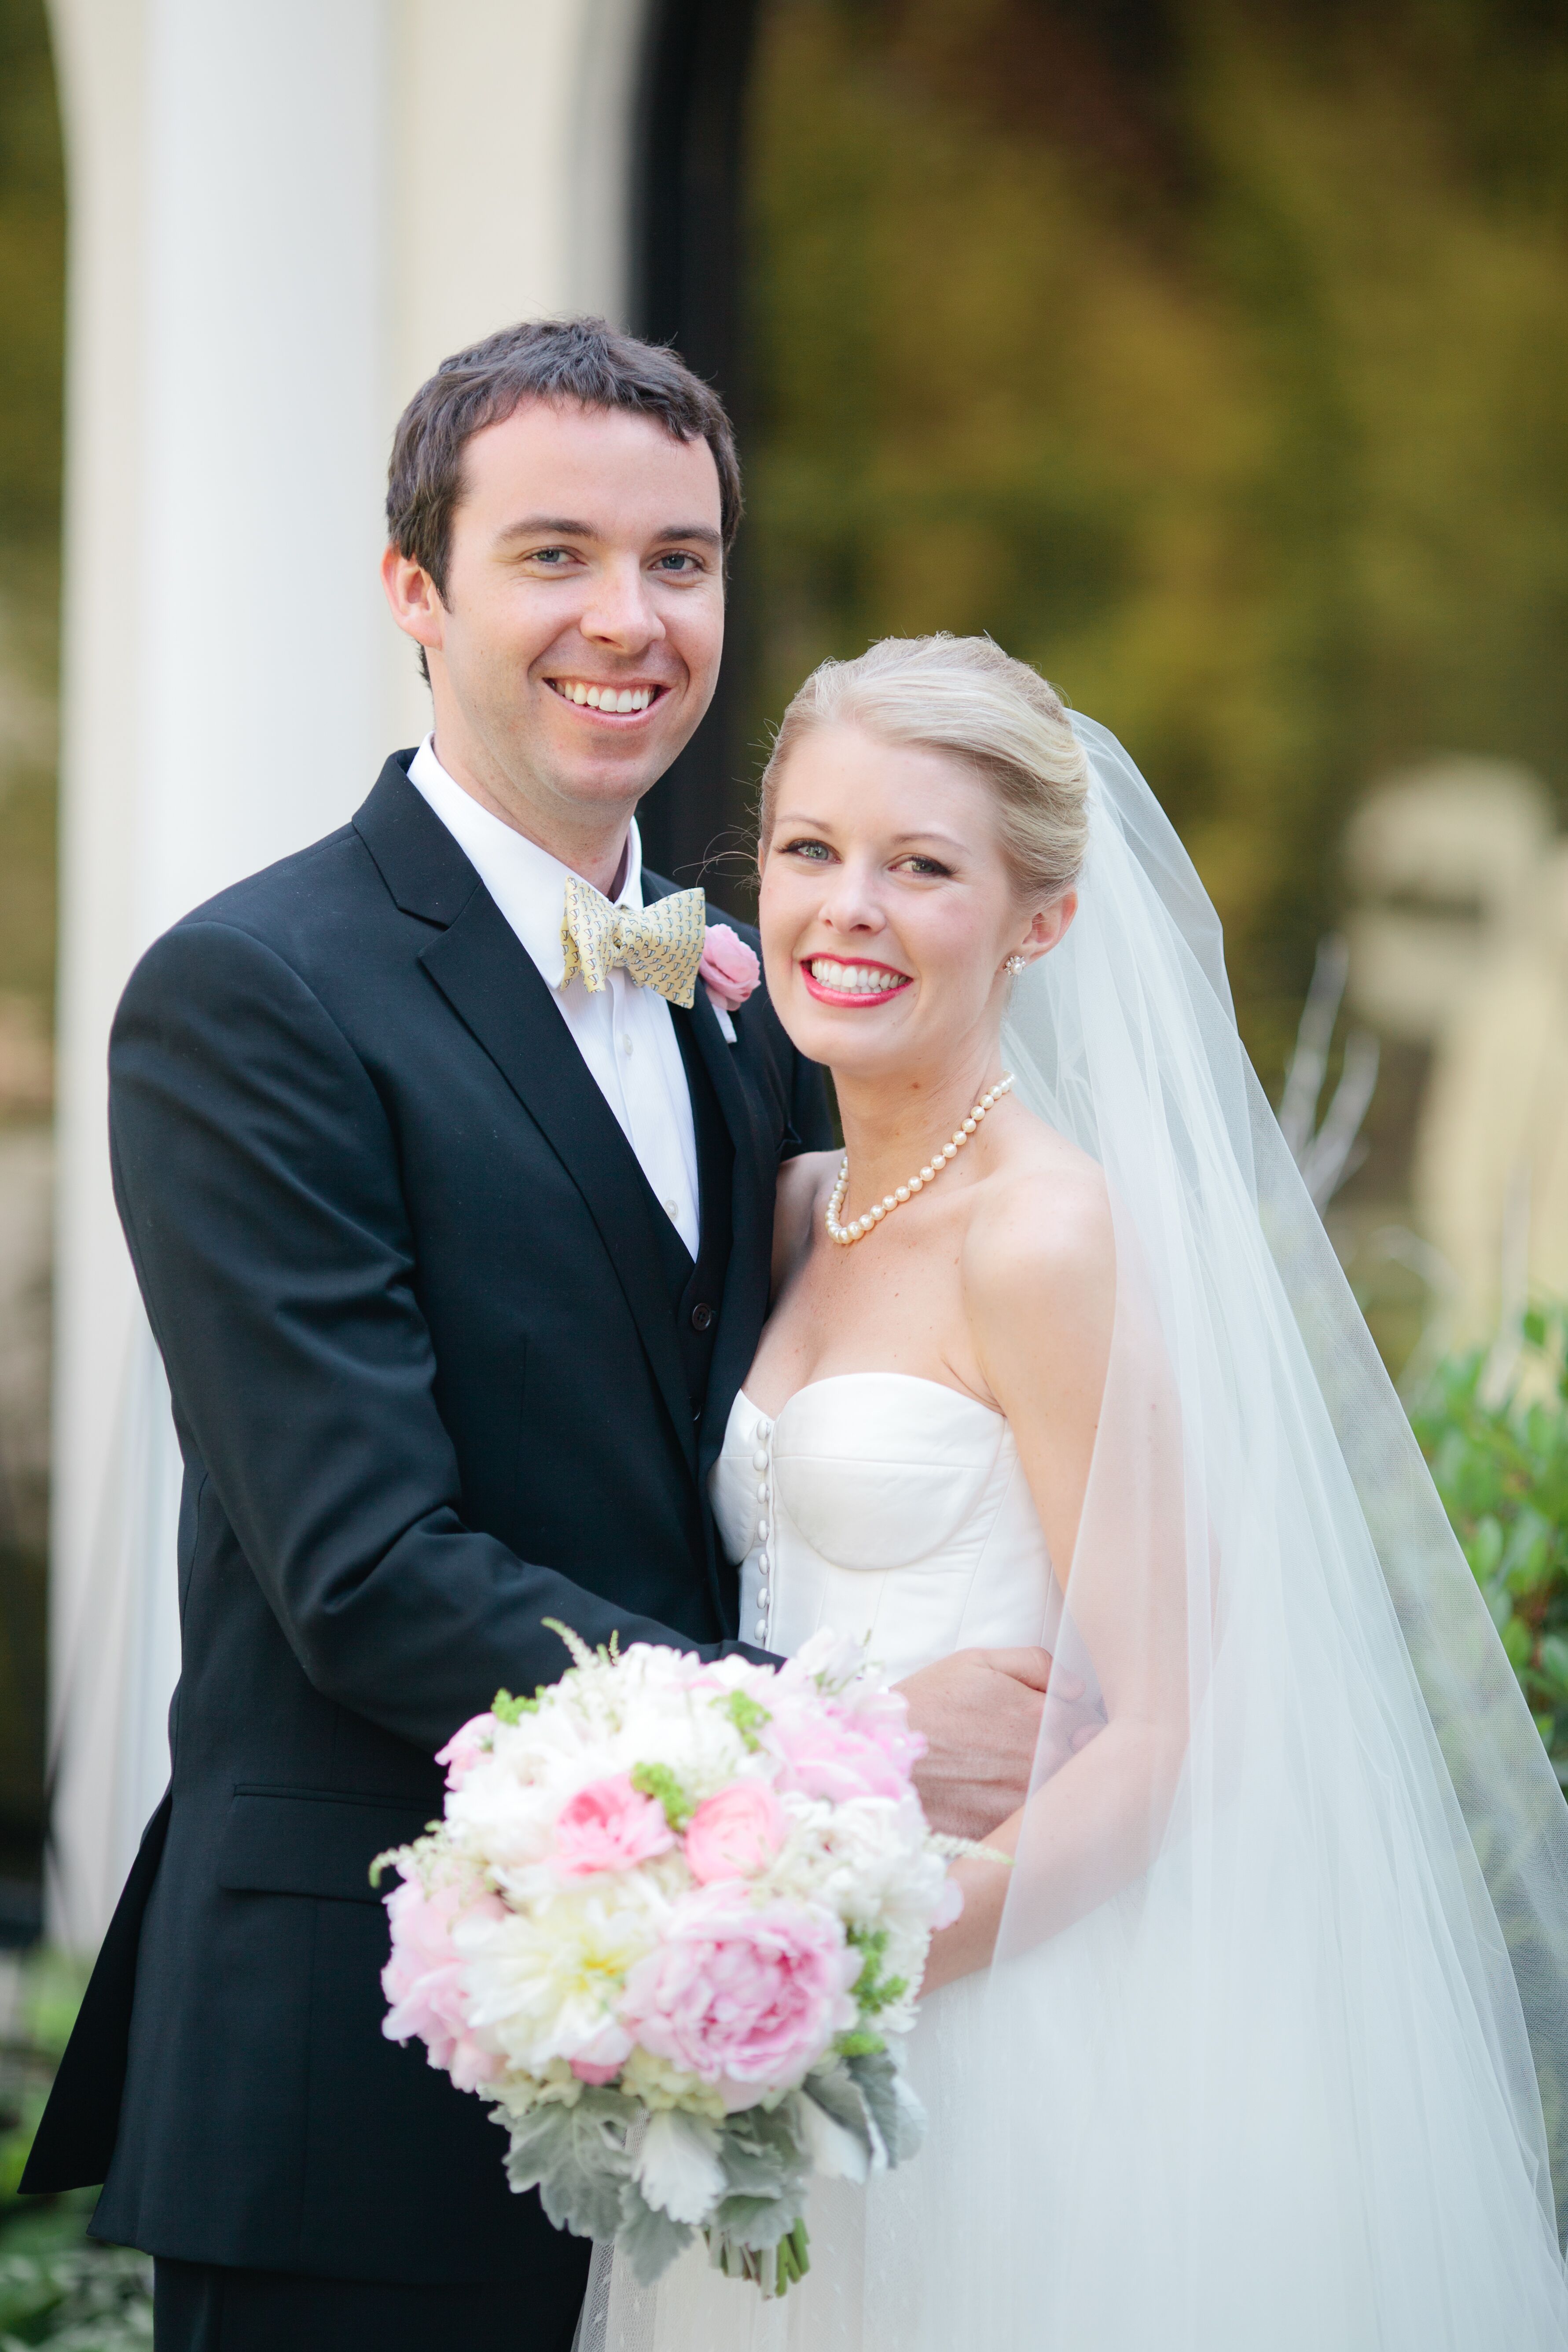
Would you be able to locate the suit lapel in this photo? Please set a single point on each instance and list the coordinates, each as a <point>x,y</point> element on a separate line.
<point>495,988</point>
<point>744,1304</point>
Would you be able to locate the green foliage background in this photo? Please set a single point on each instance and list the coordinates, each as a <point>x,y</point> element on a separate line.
<point>32,307</point>
<point>1500,1464</point>
<point>1213,357</point>
<point>32,304</point>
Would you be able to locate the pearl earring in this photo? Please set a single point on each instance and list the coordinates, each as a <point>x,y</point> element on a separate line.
<point>1015,965</point>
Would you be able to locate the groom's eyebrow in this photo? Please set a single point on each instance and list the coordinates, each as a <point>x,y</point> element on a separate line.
<point>702,532</point>
<point>563,527</point>
<point>549,527</point>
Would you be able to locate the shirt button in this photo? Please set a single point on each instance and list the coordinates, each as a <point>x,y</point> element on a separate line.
<point>671,1210</point>
<point>701,1315</point>
<point>626,1045</point>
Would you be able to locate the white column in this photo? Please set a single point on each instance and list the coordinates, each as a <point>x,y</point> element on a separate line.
<point>283,213</point>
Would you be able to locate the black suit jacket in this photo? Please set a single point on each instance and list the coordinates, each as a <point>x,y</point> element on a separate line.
<point>434,1381</point>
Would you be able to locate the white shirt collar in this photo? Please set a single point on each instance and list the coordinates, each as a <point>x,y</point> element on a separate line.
<point>526,882</point>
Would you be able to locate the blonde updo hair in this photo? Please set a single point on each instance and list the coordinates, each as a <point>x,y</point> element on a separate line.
<point>966,696</point>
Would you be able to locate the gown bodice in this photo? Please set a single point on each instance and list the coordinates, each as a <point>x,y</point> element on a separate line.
<point>889,1507</point>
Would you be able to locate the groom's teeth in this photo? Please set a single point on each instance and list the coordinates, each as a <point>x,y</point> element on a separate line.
<point>854,979</point>
<point>603,697</point>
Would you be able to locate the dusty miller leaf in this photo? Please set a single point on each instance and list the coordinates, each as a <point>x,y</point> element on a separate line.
<point>651,2239</point>
<point>577,2159</point>
<point>838,2094</point>
<point>896,2114</point>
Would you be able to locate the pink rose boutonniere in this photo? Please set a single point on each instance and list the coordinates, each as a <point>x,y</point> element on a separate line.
<point>729,971</point>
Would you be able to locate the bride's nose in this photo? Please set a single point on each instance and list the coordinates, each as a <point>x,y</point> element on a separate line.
<point>850,902</point>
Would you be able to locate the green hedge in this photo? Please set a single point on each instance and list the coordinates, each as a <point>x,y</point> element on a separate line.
<point>1501,1462</point>
<point>57,2286</point>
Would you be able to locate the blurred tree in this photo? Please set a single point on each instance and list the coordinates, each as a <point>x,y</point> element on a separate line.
<point>32,306</point>
<point>1211,358</point>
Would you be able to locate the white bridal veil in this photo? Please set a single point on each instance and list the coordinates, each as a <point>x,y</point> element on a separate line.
<point>1294,2071</point>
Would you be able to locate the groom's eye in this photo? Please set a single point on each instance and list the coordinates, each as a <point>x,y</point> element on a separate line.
<point>679,562</point>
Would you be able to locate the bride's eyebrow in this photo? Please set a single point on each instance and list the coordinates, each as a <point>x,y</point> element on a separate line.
<point>934,833</point>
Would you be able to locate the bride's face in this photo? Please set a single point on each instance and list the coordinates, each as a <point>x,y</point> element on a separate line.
<point>887,911</point>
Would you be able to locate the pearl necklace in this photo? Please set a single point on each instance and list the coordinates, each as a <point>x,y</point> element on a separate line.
<point>861,1226</point>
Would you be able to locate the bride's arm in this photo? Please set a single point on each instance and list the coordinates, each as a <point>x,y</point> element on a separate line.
<point>1041,1291</point>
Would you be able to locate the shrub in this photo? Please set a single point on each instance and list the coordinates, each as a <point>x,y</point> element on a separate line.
<point>1500,1464</point>
<point>56,2285</point>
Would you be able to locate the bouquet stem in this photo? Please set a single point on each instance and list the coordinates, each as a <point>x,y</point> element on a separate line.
<point>774,2269</point>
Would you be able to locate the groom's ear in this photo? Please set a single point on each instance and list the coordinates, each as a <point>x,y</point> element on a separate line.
<point>415,599</point>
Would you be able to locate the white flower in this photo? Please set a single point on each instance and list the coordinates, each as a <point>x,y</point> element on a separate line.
<point>656,2085</point>
<point>544,1984</point>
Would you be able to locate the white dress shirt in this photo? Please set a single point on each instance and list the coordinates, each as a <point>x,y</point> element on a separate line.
<point>624,1033</point>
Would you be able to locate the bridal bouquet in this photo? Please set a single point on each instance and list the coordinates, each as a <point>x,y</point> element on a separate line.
<point>670,1920</point>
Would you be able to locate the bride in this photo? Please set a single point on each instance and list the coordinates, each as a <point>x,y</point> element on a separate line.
<point>1259,2039</point>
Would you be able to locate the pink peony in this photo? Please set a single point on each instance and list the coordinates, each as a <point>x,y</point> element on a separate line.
<point>735,1833</point>
<point>610,1825</point>
<point>742,1994</point>
<point>601,2060</point>
<point>729,970</point>
<point>466,1748</point>
<point>424,1978</point>
<point>833,1750</point>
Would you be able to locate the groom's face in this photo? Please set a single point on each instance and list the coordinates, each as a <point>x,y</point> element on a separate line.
<point>577,644</point>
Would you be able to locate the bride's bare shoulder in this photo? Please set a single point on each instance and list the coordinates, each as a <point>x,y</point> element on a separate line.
<point>1040,1239</point>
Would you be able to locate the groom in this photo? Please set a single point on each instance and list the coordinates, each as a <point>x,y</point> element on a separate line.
<point>450,1189</point>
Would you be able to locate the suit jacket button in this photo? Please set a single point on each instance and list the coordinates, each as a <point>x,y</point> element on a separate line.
<point>701,1315</point>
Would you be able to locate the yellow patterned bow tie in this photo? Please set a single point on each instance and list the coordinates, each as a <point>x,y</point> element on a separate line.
<point>660,946</point>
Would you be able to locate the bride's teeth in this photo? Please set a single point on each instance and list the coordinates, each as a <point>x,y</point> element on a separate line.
<point>578,693</point>
<point>624,700</point>
<point>593,697</point>
<point>854,978</point>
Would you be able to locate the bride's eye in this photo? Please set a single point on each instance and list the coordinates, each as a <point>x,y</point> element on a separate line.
<point>920,865</point>
<point>818,851</point>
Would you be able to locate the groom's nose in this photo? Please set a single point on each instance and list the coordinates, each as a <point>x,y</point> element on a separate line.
<point>619,611</point>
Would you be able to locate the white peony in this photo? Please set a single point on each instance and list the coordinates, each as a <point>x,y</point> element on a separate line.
<point>545,1984</point>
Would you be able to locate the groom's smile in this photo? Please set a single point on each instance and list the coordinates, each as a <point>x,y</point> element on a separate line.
<point>608,698</point>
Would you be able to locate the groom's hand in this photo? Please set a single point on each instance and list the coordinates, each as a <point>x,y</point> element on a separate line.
<point>980,1712</point>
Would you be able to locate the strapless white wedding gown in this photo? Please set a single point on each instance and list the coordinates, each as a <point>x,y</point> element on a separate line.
<point>890,1508</point>
<point>896,1509</point>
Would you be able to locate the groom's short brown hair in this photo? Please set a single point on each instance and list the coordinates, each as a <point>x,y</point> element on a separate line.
<point>583,360</point>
